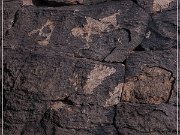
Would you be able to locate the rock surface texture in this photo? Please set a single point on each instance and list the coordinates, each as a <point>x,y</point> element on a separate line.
<point>90,67</point>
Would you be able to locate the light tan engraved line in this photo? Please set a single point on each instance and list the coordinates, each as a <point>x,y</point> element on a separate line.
<point>47,35</point>
<point>96,76</point>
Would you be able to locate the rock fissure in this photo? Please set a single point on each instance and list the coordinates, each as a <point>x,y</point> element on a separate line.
<point>89,67</point>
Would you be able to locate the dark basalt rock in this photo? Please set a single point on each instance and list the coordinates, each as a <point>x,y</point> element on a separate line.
<point>156,6</point>
<point>10,14</point>
<point>90,67</point>
<point>139,119</point>
<point>97,32</point>
<point>162,32</point>
<point>85,2</point>
<point>151,72</point>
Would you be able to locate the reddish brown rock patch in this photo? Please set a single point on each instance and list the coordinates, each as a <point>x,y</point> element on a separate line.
<point>153,86</point>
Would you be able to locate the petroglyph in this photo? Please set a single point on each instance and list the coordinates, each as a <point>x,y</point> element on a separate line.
<point>49,25</point>
<point>159,5</point>
<point>96,76</point>
<point>153,86</point>
<point>74,80</point>
<point>27,2</point>
<point>94,26</point>
<point>57,105</point>
<point>115,96</point>
<point>148,34</point>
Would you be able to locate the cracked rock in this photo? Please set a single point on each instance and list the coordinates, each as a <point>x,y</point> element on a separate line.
<point>141,118</point>
<point>162,30</point>
<point>156,6</point>
<point>142,69</point>
<point>85,2</point>
<point>97,67</point>
<point>98,33</point>
<point>152,86</point>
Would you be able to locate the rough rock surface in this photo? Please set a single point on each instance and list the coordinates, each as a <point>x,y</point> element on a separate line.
<point>85,2</point>
<point>90,67</point>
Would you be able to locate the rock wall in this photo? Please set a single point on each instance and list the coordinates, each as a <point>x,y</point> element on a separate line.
<point>90,67</point>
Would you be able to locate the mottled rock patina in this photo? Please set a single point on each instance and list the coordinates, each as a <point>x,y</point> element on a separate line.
<point>90,67</point>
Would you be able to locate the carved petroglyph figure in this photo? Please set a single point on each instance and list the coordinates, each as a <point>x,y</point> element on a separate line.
<point>42,32</point>
<point>95,27</point>
<point>96,76</point>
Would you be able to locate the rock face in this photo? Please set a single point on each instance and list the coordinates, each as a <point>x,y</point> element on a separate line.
<point>84,2</point>
<point>90,67</point>
<point>153,86</point>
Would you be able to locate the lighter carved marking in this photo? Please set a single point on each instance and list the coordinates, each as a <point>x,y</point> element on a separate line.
<point>27,2</point>
<point>148,34</point>
<point>159,5</point>
<point>115,96</point>
<point>45,42</point>
<point>96,76</point>
<point>58,105</point>
<point>95,27</point>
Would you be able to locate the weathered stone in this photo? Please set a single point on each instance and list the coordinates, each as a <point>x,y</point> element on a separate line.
<point>146,119</point>
<point>149,73</point>
<point>80,120</point>
<point>159,5</point>
<point>166,26</point>
<point>85,2</point>
<point>155,6</point>
<point>94,33</point>
<point>96,81</point>
<point>162,30</point>
<point>152,86</point>
<point>45,31</point>
<point>89,67</point>
<point>27,2</point>
<point>155,41</point>
<point>10,9</point>
<point>115,96</point>
<point>96,76</point>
